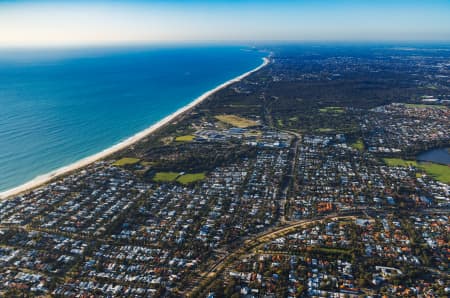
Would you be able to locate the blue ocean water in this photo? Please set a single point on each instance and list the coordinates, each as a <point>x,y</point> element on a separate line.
<point>58,106</point>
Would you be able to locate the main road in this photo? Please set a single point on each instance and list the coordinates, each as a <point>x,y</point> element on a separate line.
<point>207,277</point>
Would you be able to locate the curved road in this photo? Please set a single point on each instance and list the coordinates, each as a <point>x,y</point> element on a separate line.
<point>209,276</point>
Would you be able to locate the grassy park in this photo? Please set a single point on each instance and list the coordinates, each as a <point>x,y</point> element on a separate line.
<point>186,138</point>
<point>398,162</point>
<point>191,178</point>
<point>236,121</point>
<point>184,179</point>
<point>126,161</point>
<point>359,145</point>
<point>166,176</point>
<point>437,171</point>
<point>333,110</point>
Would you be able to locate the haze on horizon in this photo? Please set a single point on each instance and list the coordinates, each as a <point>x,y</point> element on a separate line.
<point>53,23</point>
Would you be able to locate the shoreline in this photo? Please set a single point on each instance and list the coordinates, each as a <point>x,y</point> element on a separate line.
<point>45,178</point>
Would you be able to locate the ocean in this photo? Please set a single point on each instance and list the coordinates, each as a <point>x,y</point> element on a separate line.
<point>58,106</point>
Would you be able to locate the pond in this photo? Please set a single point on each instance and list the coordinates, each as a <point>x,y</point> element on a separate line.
<point>441,156</point>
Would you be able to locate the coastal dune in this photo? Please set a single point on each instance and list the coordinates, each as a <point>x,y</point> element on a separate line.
<point>43,179</point>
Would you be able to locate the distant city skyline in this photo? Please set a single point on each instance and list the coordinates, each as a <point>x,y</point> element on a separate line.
<point>52,23</point>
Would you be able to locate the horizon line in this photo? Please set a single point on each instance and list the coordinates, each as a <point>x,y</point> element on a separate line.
<point>224,42</point>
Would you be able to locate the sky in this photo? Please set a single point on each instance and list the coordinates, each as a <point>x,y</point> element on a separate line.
<point>64,22</point>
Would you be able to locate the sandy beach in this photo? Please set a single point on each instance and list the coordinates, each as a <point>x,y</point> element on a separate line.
<point>43,179</point>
